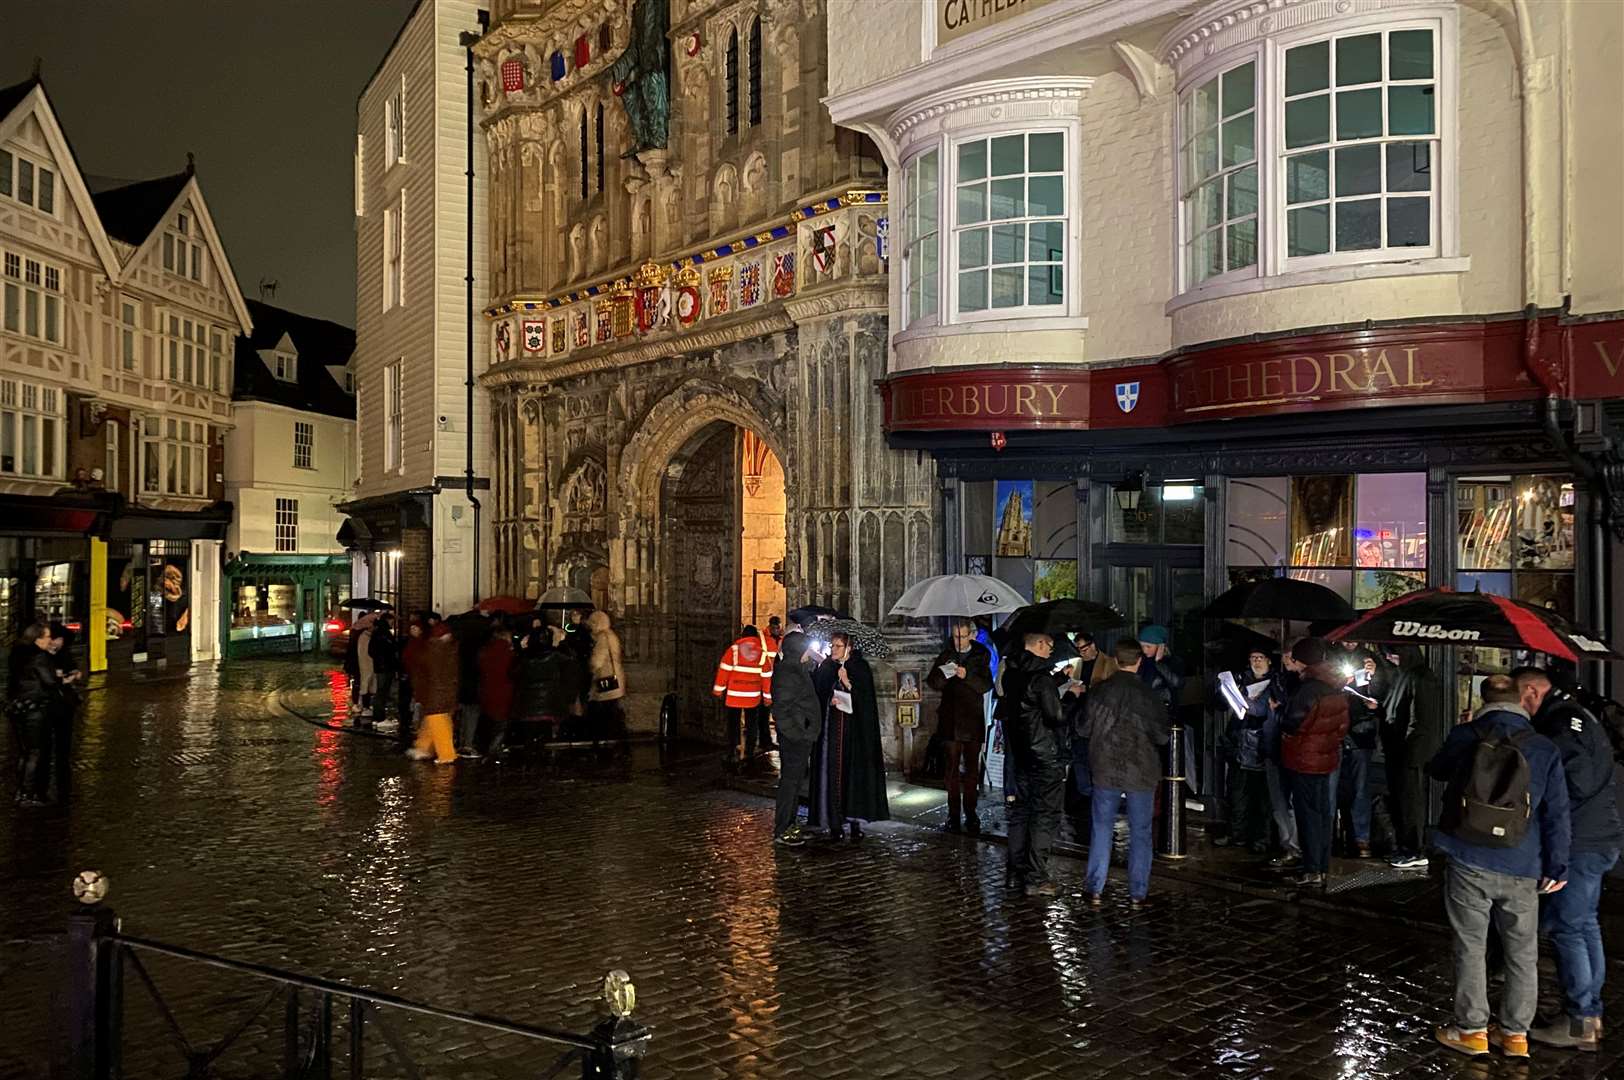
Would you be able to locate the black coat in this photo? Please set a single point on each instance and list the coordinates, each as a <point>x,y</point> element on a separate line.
<point>863,760</point>
<point>1034,720</point>
<point>382,649</point>
<point>35,689</point>
<point>1126,725</point>
<point>963,713</point>
<point>546,681</point>
<point>1587,760</point>
<point>1411,711</point>
<point>796,707</point>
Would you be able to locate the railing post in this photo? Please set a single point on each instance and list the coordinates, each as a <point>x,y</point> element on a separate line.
<point>1173,796</point>
<point>324,1039</point>
<point>618,1047</point>
<point>358,1021</point>
<point>93,1008</point>
<point>291,1069</point>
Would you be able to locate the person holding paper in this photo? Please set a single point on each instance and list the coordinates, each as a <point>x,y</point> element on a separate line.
<point>1039,747</point>
<point>848,783</point>
<point>962,675</point>
<point>1248,780</point>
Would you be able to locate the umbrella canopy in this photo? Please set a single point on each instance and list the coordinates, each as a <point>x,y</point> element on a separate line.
<point>1056,617</point>
<point>1445,617</point>
<point>508,605</point>
<point>957,594</point>
<point>562,598</point>
<point>1233,644</point>
<point>811,613</point>
<point>364,621</point>
<point>1280,598</point>
<point>365,603</point>
<point>864,638</point>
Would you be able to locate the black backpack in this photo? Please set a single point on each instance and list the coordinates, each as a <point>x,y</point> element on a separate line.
<point>1488,803</point>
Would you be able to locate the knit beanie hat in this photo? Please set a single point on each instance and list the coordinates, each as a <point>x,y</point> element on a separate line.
<point>1308,651</point>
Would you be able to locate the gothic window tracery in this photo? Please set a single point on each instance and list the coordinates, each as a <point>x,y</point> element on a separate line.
<point>731,79</point>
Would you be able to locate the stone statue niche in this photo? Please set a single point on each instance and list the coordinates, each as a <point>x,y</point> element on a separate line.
<point>641,75</point>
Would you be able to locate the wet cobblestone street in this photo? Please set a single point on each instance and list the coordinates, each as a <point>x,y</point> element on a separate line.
<point>228,824</point>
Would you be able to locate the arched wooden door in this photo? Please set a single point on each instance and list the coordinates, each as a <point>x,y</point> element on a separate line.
<point>701,562</point>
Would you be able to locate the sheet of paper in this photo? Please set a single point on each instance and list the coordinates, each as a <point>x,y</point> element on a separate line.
<point>1232,693</point>
<point>843,701</point>
<point>1253,690</point>
<point>949,669</point>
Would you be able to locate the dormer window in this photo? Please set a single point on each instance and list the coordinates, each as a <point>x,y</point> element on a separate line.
<point>183,248</point>
<point>285,366</point>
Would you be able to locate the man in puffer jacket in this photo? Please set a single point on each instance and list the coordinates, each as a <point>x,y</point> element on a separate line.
<point>1311,736</point>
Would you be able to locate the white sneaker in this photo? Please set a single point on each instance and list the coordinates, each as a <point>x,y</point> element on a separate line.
<point>418,755</point>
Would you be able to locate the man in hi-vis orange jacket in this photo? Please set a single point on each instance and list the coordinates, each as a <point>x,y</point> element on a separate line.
<point>744,682</point>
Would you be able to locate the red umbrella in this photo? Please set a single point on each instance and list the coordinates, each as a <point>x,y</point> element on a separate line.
<point>508,605</point>
<point>1445,617</point>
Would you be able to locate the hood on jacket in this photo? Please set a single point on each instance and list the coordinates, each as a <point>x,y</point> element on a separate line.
<point>598,622</point>
<point>794,646</point>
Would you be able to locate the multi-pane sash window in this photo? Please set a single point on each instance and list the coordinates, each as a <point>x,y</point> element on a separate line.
<point>129,327</point>
<point>287,525</point>
<point>187,345</point>
<point>27,182</point>
<point>1010,221</point>
<point>217,361</point>
<point>394,247</point>
<point>32,298</point>
<point>183,248</point>
<point>185,454</point>
<point>920,258</point>
<point>395,126</point>
<point>1359,143</point>
<point>1218,151</point>
<point>392,416</point>
<point>32,428</point>
<point>304,444</point>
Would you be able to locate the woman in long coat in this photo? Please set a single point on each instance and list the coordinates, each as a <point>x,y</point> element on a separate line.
<point>848,783</point>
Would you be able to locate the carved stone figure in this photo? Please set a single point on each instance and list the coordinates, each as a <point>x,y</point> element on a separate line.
<point>642,75</point>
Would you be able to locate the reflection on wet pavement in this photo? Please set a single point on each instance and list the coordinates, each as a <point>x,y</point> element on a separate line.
<point>228,825</point>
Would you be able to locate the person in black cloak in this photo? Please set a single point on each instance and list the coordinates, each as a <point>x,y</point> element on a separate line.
<point>848,782</point>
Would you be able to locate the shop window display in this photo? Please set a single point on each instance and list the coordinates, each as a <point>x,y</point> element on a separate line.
<point>1023,532</point>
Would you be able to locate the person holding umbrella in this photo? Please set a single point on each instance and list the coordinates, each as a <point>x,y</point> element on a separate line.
<point>962,675</point>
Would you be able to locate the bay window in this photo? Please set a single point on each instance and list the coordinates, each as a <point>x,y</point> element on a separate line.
<point>1308,152</point>
<point>174,457</point>
<point>921,256</point>
<point>1010,222</point>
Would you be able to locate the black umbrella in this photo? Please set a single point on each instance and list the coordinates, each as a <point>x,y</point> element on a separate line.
<point>811,613</point>
<point>864,638</point>
<point>1235,640</point>
<point>365,603</point>
<point>1445,617</point>
<point>1280,598</point>
<point>1056,617</point>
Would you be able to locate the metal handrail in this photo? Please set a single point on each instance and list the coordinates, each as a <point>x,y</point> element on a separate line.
<point>376,997</point>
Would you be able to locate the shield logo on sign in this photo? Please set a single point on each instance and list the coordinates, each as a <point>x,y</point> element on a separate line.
<point>1127,396</point>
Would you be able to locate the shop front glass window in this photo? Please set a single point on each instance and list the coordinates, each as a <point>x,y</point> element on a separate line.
<point>1321,520</point>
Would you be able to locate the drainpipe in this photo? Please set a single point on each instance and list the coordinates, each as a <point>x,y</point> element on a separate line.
<point>1553,380</point>
<point>468,39</point>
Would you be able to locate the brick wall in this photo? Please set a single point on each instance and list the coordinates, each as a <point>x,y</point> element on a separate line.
<point>416,571</point>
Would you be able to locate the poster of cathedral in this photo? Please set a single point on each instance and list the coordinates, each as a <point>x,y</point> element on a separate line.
<point>1013,498</point>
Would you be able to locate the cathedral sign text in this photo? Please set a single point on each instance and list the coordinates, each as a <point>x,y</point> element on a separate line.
<point>959,18</point>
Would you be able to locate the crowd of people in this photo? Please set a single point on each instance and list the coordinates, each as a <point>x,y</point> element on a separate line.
<point>474,685</point>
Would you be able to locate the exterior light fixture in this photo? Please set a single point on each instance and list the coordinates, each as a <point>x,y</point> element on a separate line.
<point>1129,491</point>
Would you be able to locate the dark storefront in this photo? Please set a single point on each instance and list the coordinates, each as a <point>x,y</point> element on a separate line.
<point>1373,461</point>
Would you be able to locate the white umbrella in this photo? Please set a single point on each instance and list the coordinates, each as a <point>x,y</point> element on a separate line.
<point>958,594</point>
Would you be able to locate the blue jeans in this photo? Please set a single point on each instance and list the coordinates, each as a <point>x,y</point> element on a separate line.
<point>1352,785</point>
<point>1569,918</point>
<point>1314,804</point>
<point>1141,806</point>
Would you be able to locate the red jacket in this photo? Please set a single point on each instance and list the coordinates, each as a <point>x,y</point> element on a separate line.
<point>744,679</point>
<point>496,679</point>
<point>1316,720</point>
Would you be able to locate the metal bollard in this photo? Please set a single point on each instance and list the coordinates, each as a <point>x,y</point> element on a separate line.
<point>94,1010</point>
<point>1172,838</point>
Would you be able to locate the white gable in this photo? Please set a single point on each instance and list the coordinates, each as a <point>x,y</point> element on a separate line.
<point>32,130</point>
<point>220,280</point>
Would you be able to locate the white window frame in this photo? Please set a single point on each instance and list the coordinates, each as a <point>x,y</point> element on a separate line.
<point>1274,268</point>
<point>129,335</point>
<point>285,366</point>
<point>186,350</point>
<point>394,254</point>
<point>11,170</point>
<point>304,444</point>
<point>33,417</point>
<point>1070,173</point>
<point>31,292</point>
<point>217,360</point>
<point>393,400</point>
<point>287,526</point>
<point>911,201</point>
<point>183,253</point>
<point>394,126</point>
<point>360,174</point>
<point>110,477</point>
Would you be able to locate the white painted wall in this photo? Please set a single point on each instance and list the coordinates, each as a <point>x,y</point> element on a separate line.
<point>259,470</point>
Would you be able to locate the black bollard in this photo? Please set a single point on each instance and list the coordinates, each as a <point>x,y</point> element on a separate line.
<point>94,1008</point>
<point>1171,841</point>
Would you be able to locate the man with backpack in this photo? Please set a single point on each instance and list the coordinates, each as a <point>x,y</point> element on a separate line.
<point>1505,832</point>
<point>1569,917</point>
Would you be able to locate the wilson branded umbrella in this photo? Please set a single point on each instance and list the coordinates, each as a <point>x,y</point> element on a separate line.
<point>1280,598</point>
<point>1445,617</point>
<point>957,594</point>
<point>864,638</point>
<point>1057,617</point>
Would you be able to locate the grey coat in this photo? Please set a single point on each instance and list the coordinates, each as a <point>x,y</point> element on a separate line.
<point>796,707</point>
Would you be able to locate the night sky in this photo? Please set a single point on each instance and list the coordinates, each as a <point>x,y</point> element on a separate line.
<point>262,93</point>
